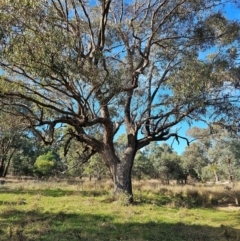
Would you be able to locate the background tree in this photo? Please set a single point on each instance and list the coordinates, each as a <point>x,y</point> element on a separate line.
<point>12,131</point>
<point>143,167</point>
<point>70,155</point>
<point>25,157</point>
<point>194,159</point>
<point>222,156</point>
<point>217,148</point>
<point>235,162</point>
<point>29,147</point>
<point>95,168</point>
<point>97,65</point>
<point>167,164</point>
<point>44,164</point>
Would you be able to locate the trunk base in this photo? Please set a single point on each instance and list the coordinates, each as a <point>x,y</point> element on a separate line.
<point>123,198</point>
<point>123,185</point>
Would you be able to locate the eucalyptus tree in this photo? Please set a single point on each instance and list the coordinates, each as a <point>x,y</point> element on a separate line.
<point>216,147</point>
<point>194,159</point>
<point>95,168</point>
<point>22,163</point>
<point>99,65</point>
<point>12,129</point>
<point>225,156</point>
<point>167,164</point>
<point>143,167</point>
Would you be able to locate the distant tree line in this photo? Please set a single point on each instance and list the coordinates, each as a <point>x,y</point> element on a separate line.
<point>213,154</point>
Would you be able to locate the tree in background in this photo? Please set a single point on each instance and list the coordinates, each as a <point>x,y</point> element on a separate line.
<point>167,164</point>
<point>95,168</point>
<point>235,162</point>
<point>217,148</point>
<point>98,65</point>
<point>25,157</point>
<point>153,153</point>
<point>12,130</point>
<point>222,156</point>
<point>70,156</point>
<point>44,164</point>
<point>143,167</point>
<point>193,160</point>
<point>29,148</point>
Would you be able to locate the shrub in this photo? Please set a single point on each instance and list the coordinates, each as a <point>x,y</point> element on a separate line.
<point>45,164</point>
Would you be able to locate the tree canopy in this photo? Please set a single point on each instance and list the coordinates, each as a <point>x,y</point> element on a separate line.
<point>216,147</point>
<point>95,66</point>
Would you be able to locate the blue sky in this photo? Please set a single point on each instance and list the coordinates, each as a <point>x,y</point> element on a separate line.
<point>233,14</point>
<point>183,127</point>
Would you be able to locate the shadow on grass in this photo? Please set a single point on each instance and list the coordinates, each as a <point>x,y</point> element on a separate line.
<point>34,225</point>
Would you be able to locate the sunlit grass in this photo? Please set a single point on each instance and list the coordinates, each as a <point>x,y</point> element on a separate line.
<point>59,211</point>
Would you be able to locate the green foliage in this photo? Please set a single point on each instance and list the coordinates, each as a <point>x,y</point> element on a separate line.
<point>12,132</point>
<point>24,159</point>
<point>95,168</point>
<point>121,144</point>
<point>166,163</point>
<point>45,163</point>
<point>143,167</point>
<point>169,167</point>
<point>193,160</point>
<point>215,154</point>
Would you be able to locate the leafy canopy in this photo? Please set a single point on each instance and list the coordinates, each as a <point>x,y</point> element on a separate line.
<point>97,65</point>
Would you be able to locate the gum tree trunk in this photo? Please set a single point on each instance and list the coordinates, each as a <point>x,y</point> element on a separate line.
<point>122,178</point>
<point>121,171</point>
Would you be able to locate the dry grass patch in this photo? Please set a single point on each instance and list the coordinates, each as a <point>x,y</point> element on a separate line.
<point>190,195</point>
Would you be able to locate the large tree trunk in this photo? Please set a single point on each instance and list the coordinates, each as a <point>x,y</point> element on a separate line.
<point>121,171</point>
<point>122,178</point>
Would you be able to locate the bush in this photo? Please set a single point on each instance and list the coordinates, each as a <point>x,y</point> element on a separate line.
<point>45,164</point>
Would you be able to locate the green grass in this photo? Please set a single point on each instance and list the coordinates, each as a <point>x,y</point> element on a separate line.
<point>53,211</point>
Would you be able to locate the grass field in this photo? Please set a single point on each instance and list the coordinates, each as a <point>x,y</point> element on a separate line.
<point>60,211</point>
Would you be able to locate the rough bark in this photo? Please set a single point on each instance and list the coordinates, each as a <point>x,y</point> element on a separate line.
<point>122,178</point>
<point>121,171</point>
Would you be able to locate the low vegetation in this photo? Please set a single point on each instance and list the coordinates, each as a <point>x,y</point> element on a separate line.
<point>87,211</point>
